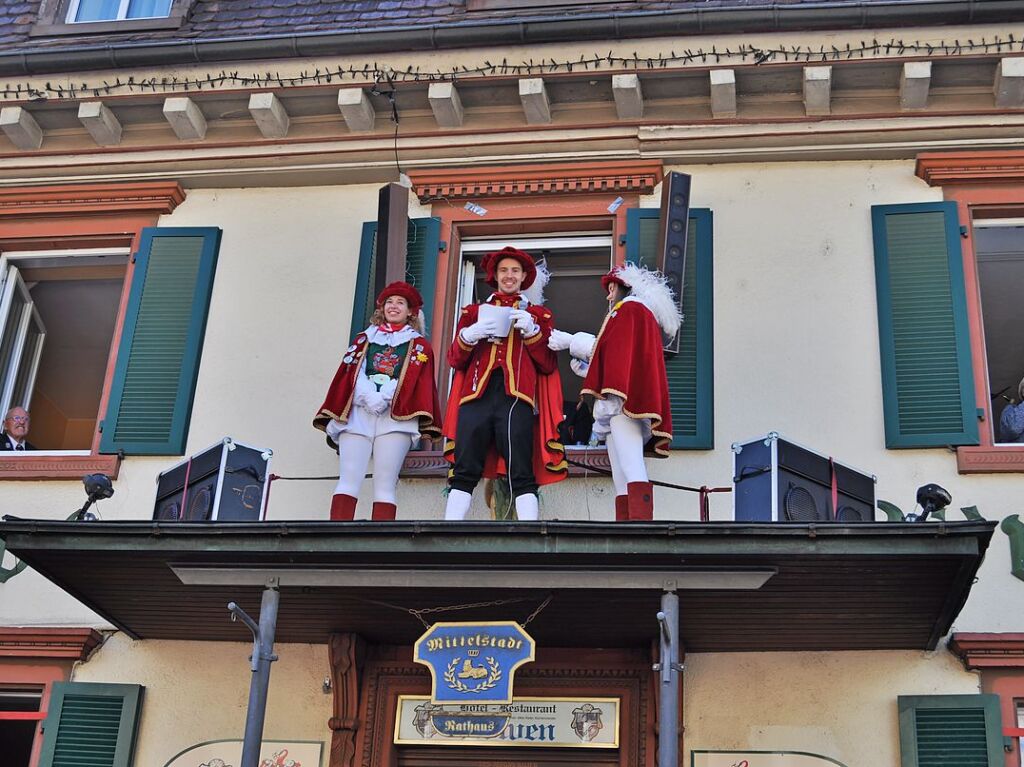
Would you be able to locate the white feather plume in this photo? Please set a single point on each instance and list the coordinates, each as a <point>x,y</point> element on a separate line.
<point>653,291</point>
<point>535,293</point>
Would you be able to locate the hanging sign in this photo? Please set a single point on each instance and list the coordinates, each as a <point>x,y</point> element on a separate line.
<point>473,662</point>
<point>550,722</point>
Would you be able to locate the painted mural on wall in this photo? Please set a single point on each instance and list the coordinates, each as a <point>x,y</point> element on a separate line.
<point>228,753</point>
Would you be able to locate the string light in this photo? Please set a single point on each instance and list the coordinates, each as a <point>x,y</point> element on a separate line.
<point>373,73</point>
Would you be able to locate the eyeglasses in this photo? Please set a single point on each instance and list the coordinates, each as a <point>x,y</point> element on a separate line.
<point>18,418</point>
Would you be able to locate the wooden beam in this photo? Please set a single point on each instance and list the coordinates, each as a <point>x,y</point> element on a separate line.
<point>914,84</point>
<point>1009,84</point>
<point>21,128</point>
<point>270,115</point>
<point>185,118</point>
<point>629,97</point>
<point>101,123</point>
<point>818,90</point>
<point>723,92</point>
<point>536,104</point>
<point>356,109</point>
<point>447,105</point>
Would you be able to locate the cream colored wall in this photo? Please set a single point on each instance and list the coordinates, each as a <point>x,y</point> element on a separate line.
<point>199,691</point>
<point>839,704</point>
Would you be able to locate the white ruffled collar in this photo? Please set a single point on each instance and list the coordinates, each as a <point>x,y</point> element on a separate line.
<point>377,335</point>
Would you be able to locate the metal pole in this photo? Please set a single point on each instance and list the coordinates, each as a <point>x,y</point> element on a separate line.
<point>668,665</point>
<point>262,657</point>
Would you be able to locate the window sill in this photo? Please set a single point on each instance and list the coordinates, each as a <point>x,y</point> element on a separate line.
<point>990,459</point>
<point>104,27</point>
<point>426,464</point>
<point>61,467</point>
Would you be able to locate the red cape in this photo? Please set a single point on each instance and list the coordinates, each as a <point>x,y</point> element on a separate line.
<point>629,361</point>
<point>549,464</point>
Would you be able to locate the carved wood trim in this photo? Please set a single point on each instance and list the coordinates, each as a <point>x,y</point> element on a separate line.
<point>989,459</point>
<point>24,466</point>
<point>984,651</point>
<point>158,198</point>
<point>945,168</point>
<point>639,177</point>
<point>60,643</point>
<point>346,653</point>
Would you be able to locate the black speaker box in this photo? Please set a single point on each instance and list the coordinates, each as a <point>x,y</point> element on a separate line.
<point>675,218</point>
<point>775,480</point>
<point>226,482</point>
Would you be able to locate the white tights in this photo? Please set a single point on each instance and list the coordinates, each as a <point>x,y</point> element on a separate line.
<point>354,451</point>
<point>626,452</point>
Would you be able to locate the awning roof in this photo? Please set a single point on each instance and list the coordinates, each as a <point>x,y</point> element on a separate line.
<point>825,587</point>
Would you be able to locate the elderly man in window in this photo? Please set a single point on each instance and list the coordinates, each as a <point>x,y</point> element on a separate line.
<point>15,434</point>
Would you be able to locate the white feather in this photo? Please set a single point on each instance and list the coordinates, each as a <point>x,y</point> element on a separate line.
<point>652,290</point>
<point>535,293</point>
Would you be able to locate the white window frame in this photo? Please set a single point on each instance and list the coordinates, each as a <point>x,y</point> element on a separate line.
<point>122,14</point>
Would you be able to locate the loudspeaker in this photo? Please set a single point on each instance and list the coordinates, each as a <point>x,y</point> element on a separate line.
<point>775,480</point>
<point>675,218</point>
<point>226,482</point>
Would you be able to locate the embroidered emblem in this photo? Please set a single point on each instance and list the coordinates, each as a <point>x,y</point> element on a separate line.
<point>386,361</point>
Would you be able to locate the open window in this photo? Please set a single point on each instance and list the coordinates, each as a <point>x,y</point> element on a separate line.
<point>58,314</point>
<point>20,714</point>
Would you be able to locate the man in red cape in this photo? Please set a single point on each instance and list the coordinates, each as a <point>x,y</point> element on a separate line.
<point>626,376</point>
<point>506,397</point>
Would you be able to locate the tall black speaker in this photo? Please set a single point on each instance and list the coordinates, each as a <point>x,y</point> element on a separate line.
<point>775,480</point>
<point>675,219</point>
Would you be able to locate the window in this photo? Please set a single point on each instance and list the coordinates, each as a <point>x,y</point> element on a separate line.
<point>116,10</point>
<point>20,713</point>
<point>58,314</point>
<point>999,254</point>
<point>1019,705</point>
<point>106,716</point>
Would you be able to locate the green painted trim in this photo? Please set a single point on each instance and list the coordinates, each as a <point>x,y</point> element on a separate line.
<point>893,513</point>
<point>909,705</point>
<point>239,740</point>
<point>968,432</point>
<point>191,356</point>
<point>430,230</point>
<point>1014,530</point>
<point>694,752</point>
<point>131,697</point>
<point>701,227</point>
<point>362,277</point>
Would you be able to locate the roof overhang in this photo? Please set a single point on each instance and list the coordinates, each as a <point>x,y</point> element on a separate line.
<point>741,587</point>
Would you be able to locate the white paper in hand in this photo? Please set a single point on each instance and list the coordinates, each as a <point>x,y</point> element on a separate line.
<point>501,316</point>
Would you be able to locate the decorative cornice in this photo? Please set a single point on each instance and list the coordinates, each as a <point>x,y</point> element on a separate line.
<point>990,460</point>
<point>57,643</point>
<point>984,651</point>
<point>638,177</point>
<point>58,467</point>
<point>944,169</point>
<point>155,198</point>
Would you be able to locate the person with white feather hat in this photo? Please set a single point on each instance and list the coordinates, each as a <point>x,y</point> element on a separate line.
<point>624,370</point>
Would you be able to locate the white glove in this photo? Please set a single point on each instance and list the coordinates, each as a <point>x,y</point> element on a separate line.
<point>579,367</point>
<point>559,340</point>
<point>582,345</point>
<point>364,387</point>
<point>387,391</point>
<point>524,322</point>
<point>375,403</point>
<point>479,330</point>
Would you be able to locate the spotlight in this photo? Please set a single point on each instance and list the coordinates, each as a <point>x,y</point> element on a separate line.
<point>931,498</point>
<point>97,487</point>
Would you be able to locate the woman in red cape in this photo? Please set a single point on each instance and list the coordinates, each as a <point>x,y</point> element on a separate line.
<point>624,369</point>
<point>382,399</point>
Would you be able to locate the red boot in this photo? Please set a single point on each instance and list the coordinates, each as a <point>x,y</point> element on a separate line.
<point>621,508</point>
<point>343,508</point>
<point>641,501</point>
<point>383,511</point>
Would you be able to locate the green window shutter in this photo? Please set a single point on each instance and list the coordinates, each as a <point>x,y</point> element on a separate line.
<point>424,235</point>
<point>691,371</point>
<point>91,725</point>
<point>950,731</point>
<point>927,380</point>
<point>161,344</point>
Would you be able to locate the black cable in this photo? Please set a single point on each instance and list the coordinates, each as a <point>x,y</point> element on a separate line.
<point>607,473</point>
